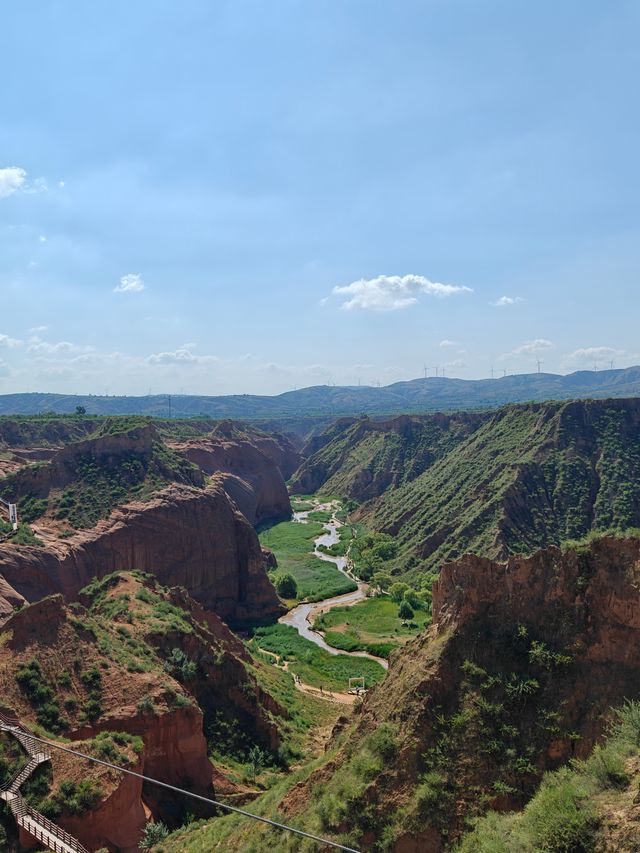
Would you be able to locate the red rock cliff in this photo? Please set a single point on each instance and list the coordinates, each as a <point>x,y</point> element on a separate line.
<point>251,476</point>
<point>517,675</point>
<point>184,536</point>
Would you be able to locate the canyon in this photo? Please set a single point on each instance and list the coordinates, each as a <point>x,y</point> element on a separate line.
<point>188,525</point>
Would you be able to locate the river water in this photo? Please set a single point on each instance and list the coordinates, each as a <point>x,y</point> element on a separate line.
<point>301,617</point>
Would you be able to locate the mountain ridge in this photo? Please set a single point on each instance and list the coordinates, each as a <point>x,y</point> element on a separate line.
<point>408,396</point>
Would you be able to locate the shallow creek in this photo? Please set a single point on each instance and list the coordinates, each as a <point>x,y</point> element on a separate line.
<point>302,617</point>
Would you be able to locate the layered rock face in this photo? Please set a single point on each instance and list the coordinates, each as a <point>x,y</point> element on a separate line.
<point>184,536</point>
<point>251,475</point>
<point>518,674</point>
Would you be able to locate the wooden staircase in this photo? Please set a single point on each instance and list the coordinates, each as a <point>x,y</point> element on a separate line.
<point>37,825</point>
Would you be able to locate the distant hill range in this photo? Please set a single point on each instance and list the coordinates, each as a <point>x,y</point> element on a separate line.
<point>416,395</point>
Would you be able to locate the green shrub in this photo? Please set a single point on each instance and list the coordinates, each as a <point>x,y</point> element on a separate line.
<point>37,689</point>
<point>560,818</point>
<point>153,834</point>
<point>607,767</point>
<point>72,798</point>
<point>405,611</point>
<point>179,665</point>
<point>146,705</point>
<point>383,742</point>
<point>286,586</point>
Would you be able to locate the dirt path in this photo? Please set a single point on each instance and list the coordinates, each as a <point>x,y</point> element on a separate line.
<point>328,695</point>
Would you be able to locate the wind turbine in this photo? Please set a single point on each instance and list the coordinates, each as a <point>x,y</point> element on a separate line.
<point>539,363</point>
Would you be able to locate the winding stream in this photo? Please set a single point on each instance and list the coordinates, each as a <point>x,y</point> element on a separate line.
<point>302,617</point>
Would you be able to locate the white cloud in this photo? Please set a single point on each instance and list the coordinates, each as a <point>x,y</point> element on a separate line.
<point>182,355</point>
<point>11,179</point>
<point>506,300</point>
<point>447,343</point>
<point>130,283</point>
<point>61,184</point>
<point>391,292</point>
<point>10,343</point>
<point>65,348</point>
<point>42,238</point>
<point>587,356</point>
<point>36,330</point>
<point>529,348</point>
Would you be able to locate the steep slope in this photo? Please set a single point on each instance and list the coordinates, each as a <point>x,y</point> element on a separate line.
<point>251,465</point>
<point>191,537</point>
<point>517,675</point>
<point>361,458</point>
<point>145,662</point>
<point>510,482</point>
<point>594,805</point>
<point>124,498</point>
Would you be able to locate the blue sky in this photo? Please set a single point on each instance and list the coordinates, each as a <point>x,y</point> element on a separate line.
<point>222,197</point>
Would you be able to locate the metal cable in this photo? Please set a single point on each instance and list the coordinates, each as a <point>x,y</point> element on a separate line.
<point>220,805</point>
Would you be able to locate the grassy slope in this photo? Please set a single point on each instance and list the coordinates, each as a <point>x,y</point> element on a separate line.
<point>587,807</point>
<point>363,458</point>
<point>532,476</point>
<point>292,542</point>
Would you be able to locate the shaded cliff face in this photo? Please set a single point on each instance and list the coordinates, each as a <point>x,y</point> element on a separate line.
<point>141,660</point>
<point>517,674</point>
<point>183,536</point>
<point>250,471</point>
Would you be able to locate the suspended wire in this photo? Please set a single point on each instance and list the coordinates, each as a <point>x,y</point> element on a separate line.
<point>220,805</point>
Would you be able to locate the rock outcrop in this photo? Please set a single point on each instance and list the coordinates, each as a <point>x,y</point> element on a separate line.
<point>253,465</point>
<point>183,536</point>
<point>115,666</point>
<point>517,674</point>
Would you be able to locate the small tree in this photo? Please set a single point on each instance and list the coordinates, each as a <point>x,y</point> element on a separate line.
<point>286,586</point>
<point>153,834</point>
<point>397,591</point>
<point>405,611</point>
<point>413,598</point>
<point>382,580</point>
<point>256,761</point>
<point>80,410</point>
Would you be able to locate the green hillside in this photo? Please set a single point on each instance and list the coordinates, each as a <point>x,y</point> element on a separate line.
<point>361,458</point>
<point>518,479</point>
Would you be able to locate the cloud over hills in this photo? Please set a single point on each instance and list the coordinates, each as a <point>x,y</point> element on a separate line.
<point>391,292</point>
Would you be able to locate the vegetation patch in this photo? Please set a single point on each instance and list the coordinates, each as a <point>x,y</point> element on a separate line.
<point>373,625</point>
<point>292,543</point>
<point>573,807</point>
<point>312,664</point>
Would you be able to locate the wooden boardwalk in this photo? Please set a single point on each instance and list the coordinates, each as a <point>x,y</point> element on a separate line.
<point>37,825</point>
